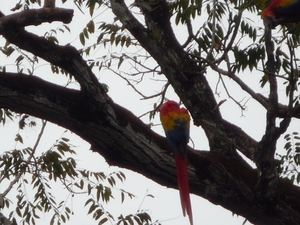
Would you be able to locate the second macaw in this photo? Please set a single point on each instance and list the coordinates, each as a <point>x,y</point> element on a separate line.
<point>176,123</point>
<point>283,11</point>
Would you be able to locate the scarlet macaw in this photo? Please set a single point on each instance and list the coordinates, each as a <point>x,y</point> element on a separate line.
<point>176,123</point>
<point>283,11</point>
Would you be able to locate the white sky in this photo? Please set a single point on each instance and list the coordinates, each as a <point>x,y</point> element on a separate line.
<point>166,205</point>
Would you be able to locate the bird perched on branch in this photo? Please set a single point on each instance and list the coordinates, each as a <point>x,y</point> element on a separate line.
<point>282,12</point>
<point>176,123</point>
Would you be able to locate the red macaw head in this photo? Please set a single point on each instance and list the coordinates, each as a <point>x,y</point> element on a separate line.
<point>169,106</point>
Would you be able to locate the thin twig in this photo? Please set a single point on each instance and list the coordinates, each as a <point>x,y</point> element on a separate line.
<point>17,178</point>
<point>213,30</point>
<point>293,76</point>
<point>190,32</point>
<point>242,84</point>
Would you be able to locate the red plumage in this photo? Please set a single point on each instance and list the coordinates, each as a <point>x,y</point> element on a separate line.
<point>176,123</point>
<point>283,11</point>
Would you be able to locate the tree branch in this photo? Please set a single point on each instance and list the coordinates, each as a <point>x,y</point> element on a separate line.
<point>264,158</point>
<point>66,57</point>
<point>126,141</point>
<point>17,178</point>
<point>34,17</point>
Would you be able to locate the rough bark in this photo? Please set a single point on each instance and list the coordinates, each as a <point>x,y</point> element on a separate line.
<point>219,175</point>
<point>35,17</point>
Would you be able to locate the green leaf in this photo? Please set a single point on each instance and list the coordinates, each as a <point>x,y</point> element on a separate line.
<point>18,212</point>
<point>81,38</point>
<point>7,50</point>
<point>92,208</point>
<point>91,26</point>
<point>120,61</point>
<point>104,220</point>
<point>19,138</point>
<point>63,218</point>
<point>100,37</point>
<point>89,187</point>
<point>122,197</point>
<point>86,33</point>
<point>90,200</point>
<point>91,9</point>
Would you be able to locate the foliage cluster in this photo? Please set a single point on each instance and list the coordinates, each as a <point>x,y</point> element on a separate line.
<point>29,170</point>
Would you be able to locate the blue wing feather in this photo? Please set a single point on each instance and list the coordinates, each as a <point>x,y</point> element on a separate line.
<point>179,137</point>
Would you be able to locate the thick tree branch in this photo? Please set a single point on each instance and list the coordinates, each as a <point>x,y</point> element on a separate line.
<point>108,128</point>
<point>66,57</point>
<point>34,17</point>
<point>126,141</point>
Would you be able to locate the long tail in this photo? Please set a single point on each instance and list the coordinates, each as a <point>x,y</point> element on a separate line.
<point>183,186</point>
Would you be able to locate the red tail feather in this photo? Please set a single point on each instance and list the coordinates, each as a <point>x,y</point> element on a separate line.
<point>183,186</point>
